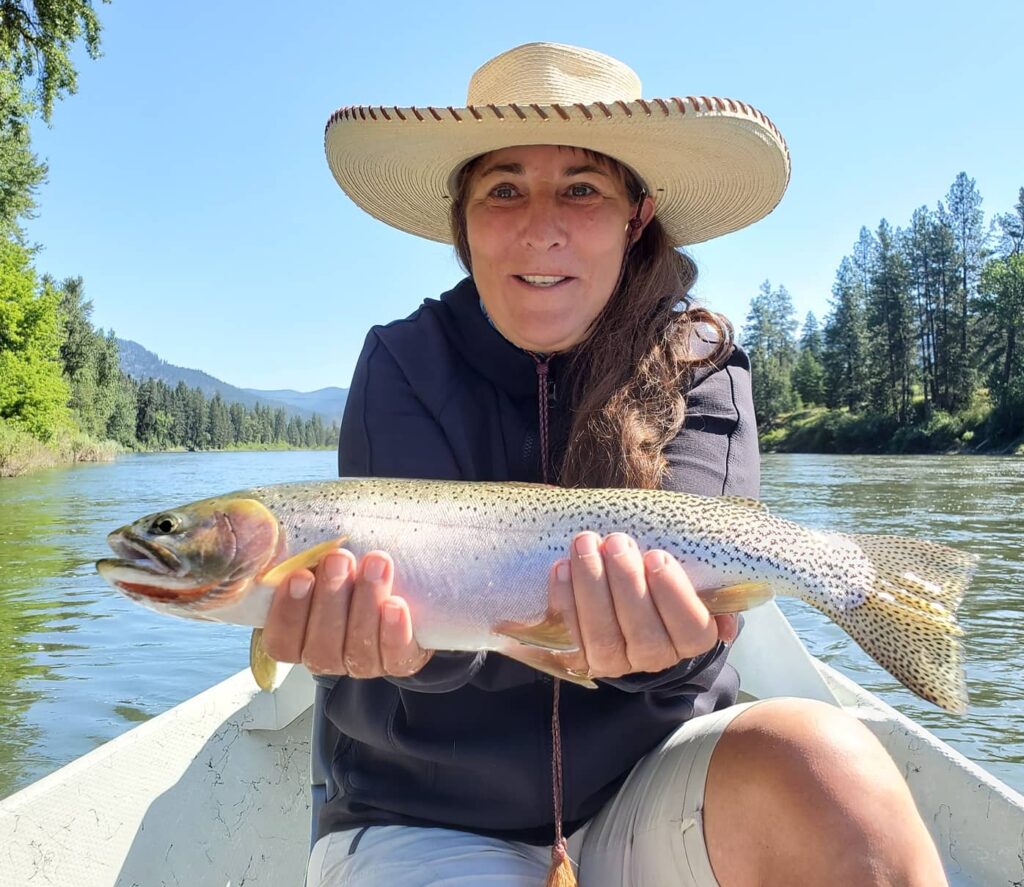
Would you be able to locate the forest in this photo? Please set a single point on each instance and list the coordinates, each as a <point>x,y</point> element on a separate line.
<point>63,396</point>
<point>921,349</point>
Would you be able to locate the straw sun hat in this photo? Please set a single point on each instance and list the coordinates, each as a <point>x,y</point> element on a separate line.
<point>713,165</point>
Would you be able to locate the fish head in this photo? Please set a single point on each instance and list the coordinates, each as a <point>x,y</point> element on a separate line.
<point>197,558</point>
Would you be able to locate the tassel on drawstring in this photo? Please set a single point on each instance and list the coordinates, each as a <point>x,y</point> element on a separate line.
<point>560,874</point>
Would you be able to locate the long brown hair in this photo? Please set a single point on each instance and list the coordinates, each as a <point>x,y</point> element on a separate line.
<point>630,372</point>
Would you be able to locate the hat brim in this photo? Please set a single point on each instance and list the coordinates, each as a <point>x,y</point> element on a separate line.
<point>712,165</point>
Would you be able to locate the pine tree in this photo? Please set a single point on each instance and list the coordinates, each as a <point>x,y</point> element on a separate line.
<point>1002,297</point>
<point>218,423</point>
<point>965,220</point>
<point>844,354</point>
<point>809,374</point>
<point>891,320</point>
<point>769,337</point>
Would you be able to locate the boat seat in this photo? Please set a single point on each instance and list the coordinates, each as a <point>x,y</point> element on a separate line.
<point>323,739</point>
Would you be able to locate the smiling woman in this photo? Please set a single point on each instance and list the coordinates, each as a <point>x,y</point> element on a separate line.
<point>549,228</point>
<point>571,354</point>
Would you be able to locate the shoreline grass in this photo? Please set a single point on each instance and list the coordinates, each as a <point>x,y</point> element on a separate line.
<point>822,430</point>
<point>21,453</point>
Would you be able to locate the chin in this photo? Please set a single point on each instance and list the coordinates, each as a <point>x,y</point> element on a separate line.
<point>544,344</point>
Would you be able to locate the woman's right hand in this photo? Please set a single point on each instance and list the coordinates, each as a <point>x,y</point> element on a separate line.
<point>344,620</point>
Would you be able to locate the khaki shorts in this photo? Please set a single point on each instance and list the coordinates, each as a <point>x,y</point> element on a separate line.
<point>651,834</point>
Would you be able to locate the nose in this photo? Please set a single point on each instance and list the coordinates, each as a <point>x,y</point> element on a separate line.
<point>543,226</point>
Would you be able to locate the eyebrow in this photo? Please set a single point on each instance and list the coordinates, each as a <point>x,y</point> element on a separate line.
<point>516,169</point>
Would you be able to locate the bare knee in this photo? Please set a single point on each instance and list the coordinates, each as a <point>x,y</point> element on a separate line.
<point>800,789</point>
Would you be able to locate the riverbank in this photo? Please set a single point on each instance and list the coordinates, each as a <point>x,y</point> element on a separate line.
<point>821,430</point>
<point>21,453</point>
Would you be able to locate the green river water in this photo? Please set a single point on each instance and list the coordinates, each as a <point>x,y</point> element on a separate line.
<point>79,664</point>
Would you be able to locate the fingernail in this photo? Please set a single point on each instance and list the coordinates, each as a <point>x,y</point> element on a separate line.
<point>562,571</point>
<point>392,613</point>
<point>616,544</point>
<point>336,566</point>
<point>373,568</point>
<point>299,587</point>
<point>586,544</point>
<point>655,561</point>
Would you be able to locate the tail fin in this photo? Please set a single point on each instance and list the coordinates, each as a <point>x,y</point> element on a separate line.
<point>908,625</point>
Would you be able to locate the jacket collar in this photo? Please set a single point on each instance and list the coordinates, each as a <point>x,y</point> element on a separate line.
<point>507,366</point>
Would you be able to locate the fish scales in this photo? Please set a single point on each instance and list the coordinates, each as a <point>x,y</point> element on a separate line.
<point>474,558</point>
<point>456,543</point>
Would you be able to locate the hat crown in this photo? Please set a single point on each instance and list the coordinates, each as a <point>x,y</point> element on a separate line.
<point>550,74</point>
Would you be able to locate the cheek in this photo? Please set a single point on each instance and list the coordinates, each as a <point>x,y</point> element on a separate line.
<point>604,235</point>
<point>486,236</point>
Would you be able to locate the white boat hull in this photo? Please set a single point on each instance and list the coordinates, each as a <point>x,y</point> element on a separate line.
<point>216,791</point>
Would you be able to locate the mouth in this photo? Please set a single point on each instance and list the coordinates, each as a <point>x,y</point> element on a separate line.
<point>543,281</point>
<point>144,555</point>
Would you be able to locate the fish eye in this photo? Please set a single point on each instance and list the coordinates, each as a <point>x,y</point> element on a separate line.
<point>164,524</point>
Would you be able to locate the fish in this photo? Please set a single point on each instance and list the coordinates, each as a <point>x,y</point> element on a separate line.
<point>472,559</point>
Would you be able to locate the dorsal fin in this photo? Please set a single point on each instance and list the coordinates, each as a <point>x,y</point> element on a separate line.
<point>745,501</point>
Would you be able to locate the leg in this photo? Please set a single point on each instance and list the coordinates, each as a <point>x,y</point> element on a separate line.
<point>800,792</point>
<point>775,792</point>
<point>408,856</point>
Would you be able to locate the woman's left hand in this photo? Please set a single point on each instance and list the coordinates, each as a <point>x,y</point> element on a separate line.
<point>630,611</point>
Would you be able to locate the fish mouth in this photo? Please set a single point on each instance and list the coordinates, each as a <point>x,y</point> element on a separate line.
<point>143,555</point>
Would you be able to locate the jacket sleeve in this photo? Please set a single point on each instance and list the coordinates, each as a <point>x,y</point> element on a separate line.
<point>388,432</point>
<point>714,454</point>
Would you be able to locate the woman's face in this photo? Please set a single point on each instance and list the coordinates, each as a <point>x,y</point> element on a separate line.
<point>547,229</point>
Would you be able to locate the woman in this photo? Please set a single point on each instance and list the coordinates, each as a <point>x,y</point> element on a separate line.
<point>571,355</point>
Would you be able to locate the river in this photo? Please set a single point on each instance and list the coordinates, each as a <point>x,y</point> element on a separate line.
<point>80,664</point>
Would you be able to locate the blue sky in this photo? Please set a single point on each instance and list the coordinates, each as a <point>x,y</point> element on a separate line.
<point>188,184</point>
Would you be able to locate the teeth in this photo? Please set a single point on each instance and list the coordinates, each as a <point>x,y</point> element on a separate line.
<point>540,279</point>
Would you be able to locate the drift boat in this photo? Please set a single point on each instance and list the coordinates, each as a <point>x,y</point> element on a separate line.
<point>217,791</point>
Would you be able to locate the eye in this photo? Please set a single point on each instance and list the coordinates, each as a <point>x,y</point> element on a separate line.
<point>503,192</point>
<point>579,189</point>
<point>164,524</point>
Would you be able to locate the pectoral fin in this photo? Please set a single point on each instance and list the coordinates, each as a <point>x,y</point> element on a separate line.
<point>263,668</point>
<point>549,634</point>
<point>735,598</point>
<point>304,560</point>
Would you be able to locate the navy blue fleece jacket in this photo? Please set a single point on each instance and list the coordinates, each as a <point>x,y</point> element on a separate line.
<point>466,742</point>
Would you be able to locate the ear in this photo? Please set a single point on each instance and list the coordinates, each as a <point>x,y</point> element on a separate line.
<point>637,225</point>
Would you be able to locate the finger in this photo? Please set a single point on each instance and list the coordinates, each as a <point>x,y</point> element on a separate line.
<point>603,644</point>
<point>400,655</point>
<point>728,627</point>
<point>323,651</point>
<point>692,629</point>
<point>362,637</point>
<point>285,629</point>
<point>648,645</point>
<point>561,600</point>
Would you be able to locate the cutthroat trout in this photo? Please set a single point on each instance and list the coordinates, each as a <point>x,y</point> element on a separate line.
<point>472,560</point>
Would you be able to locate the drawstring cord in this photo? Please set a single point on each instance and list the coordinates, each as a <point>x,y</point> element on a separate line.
<point>560,874</point>
<point>542,405</point>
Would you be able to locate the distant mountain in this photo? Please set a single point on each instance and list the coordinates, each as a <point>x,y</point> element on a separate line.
<point>328,402</point>
<point>141,363</point>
